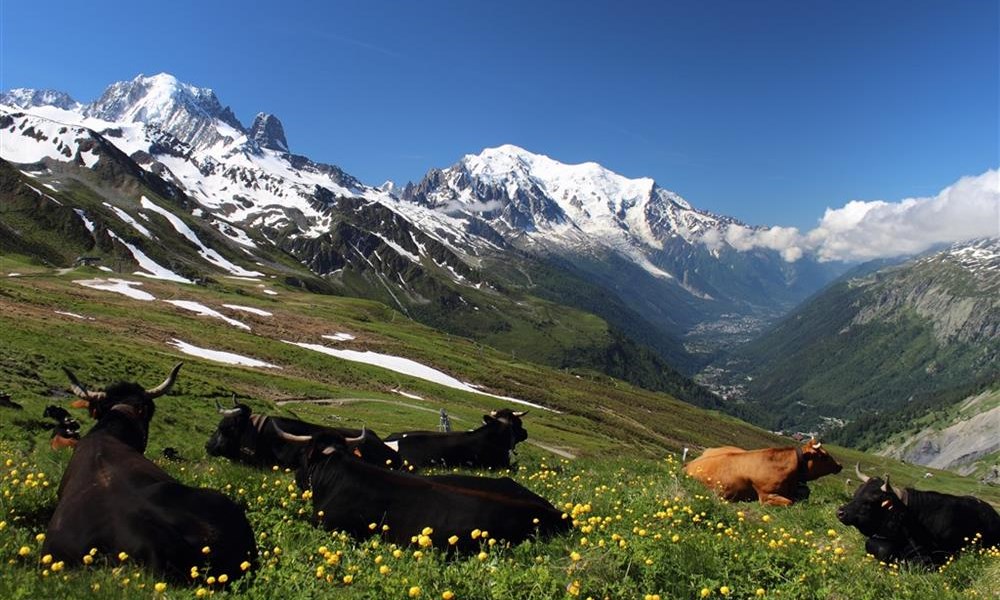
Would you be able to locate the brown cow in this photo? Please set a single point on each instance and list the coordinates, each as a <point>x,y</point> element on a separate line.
<point>771,475</point>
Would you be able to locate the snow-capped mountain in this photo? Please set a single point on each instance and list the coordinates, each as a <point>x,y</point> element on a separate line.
<point>192,115</point>
<point>505,218</point>
<point>532,193</point>
<point>245,180</point>
<point>650,237</point>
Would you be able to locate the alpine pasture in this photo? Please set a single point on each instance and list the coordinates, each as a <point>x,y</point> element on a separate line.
<point>605,453</point>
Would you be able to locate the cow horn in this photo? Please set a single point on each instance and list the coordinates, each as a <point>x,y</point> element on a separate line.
<point>520,413</point>
<point>168,383</point>
<point>817,445</point>
<point>357,440</point>
<point>289,437</point>
<point>235,403</point>
<point>885,486</point>
<point>857,469</point>
<point>80,391</point>
<point>226,411</point>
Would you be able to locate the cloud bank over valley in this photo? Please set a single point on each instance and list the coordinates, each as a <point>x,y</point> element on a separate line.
<point>867,230</point>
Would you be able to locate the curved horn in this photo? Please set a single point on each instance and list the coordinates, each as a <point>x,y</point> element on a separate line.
<point>359,439</point>
<point>226,411</point>
<point>288,437</point>
<point>520,413</point>
<point>80,391</point>
<point>168,383</point>
<point>857,469</point>
<point>885,486</point>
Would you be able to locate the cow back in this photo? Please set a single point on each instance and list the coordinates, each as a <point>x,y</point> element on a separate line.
<point>948,522</point>
<point>352,494</point>
<point>115,500</point>
<point>488,446</point>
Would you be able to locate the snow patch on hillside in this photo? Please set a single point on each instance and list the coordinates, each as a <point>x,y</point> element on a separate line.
<point>118,286</point>
<point>408,367</point>
<point>249,309</point>
<point>207,253</point>
<point>155,271</point>
<point>220,356</point>
<point>205,311</point>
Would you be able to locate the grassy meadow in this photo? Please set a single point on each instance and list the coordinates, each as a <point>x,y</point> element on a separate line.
<point>608,454</point>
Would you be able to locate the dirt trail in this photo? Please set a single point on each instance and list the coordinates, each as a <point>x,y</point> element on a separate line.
<point>553,449</point>
<point>345,401</point>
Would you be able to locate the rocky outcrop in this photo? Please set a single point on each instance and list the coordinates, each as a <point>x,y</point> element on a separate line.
<point>957,446</point>
<point>960,299</point>
<point>268,132</point>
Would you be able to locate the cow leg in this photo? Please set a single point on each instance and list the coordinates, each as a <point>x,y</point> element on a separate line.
<point>773,499</point>
<point>882,549</point>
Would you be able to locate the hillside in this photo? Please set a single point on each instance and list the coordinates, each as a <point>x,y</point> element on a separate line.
<point>88,319</point>
<point>882,342</point>
<point>606,452</point>
<point>961,437</point>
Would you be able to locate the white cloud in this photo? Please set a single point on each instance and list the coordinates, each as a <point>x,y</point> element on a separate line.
<point>457,206</point>
<point>967,209</point>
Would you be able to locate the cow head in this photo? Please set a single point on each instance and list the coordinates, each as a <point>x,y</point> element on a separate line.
<point>227,440</point>
<point>510,420</point>
<point>123,398</point>
<point>817,461</point>
<point>876,508</point>
<point>326,448</point>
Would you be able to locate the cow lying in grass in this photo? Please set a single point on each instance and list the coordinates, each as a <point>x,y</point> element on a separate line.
<point>114,499</point>
<point>921,527</point>
<point>365,500</point>
<point>489,446</point>
<point>770,475</point>
<point>253,439</point>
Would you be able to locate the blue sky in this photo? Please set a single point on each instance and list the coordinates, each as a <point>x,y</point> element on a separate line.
<point>766,111</point>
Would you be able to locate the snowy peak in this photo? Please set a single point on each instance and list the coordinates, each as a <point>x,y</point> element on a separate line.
<point>589,183</point>
<point>268,132</point>
<point>194,115</point>
<point>29,98</point>
<point>523,192</point>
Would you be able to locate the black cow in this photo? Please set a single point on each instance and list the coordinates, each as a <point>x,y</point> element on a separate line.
<point>489,446</point>
<point>921,527</point>
<point>349,495</point>
<point>114,499</point>
<point>253,439</point>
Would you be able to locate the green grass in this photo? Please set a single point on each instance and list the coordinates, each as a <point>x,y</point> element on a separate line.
<point>624,490</point>
<point>641,529</point>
